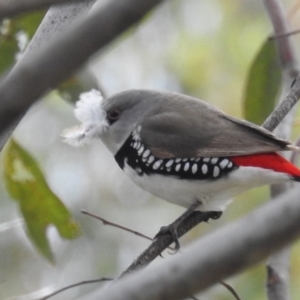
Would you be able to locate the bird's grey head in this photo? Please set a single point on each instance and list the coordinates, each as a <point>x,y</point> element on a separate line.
<point>112,119</point>
<point>124,112</point>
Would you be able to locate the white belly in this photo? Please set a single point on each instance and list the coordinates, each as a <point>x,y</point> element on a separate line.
<point>214,195</point>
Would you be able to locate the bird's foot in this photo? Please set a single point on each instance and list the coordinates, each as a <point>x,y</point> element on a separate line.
<point>215,215</point>
<point>172,230</point>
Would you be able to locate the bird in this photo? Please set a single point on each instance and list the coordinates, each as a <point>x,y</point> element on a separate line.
<point>182,149</point>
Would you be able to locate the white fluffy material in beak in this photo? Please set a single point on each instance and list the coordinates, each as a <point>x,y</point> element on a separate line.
<point>90,113</point>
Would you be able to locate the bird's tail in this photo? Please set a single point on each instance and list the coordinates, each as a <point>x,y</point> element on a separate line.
<point>271,161</point>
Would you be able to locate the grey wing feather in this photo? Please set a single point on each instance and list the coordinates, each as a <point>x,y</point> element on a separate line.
<point>193,131</point>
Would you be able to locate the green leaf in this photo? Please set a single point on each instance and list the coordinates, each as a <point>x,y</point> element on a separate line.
<point>40,207</point>
<point>262,84</point>
<point>9,28</point>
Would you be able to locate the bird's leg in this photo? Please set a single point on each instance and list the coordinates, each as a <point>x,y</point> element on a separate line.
<point>172,228</point>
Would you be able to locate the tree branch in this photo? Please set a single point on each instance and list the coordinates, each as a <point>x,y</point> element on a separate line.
<point>65,54</point>
<point>278,265</point>
<point>56,20</point>
<point>165,240</point>
<point>106,222</point>
<point>284,107</point>
<point>10,8</point>
<point>278,19</point>
<point>216,256</point>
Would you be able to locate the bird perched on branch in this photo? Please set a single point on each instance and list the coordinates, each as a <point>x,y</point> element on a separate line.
<point>182,149</point>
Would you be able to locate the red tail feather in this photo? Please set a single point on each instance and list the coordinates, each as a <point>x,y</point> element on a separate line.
<point>272,161</point>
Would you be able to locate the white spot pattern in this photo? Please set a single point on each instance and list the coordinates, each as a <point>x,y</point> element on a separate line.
<point>136,134</point>
<point>170,163</point>
<point>157,164</point>
<point>151,159</point>
<point>216,171</point>
<point>214,160</point>
<point>224,163</point>
<point>144,162</point>
<point>194,168</point>
<point>204,169</point>
<point>186,166</point>
<point>146,153</point>
<point>141,150</point>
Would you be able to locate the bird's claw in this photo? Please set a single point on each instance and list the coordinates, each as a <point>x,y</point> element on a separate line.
<point>215,215</point>
<point>172,230</point>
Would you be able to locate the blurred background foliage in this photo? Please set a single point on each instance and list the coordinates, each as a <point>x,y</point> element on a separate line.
<point>202,48</point>
<point>15,33</point>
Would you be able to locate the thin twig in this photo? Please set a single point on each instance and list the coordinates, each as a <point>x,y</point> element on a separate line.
<point>285,34</point>
<point>230,289</point>
<point>277,281</point>
<point>105,222</point>
<point>162,241</point>
<point>224,252</point>
<point>74,285</point>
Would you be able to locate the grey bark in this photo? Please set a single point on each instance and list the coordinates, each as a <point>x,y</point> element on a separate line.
<point>215,257</point>
<point>278,265</point>
<point>57,20</point>
<point>65,54</point>
<point>10,8</point>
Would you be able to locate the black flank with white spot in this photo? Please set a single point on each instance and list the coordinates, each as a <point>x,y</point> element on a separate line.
<point>139,158</point>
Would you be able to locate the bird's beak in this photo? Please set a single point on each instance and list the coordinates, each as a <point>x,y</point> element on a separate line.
<point>89,111</point>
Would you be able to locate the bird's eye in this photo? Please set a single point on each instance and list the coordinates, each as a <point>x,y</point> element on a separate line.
<point>113,114</point>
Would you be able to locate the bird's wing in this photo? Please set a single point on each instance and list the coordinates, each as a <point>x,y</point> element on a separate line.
<point>205,132</point>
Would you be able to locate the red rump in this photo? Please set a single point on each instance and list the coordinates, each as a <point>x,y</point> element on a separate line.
<point>271,161</point>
